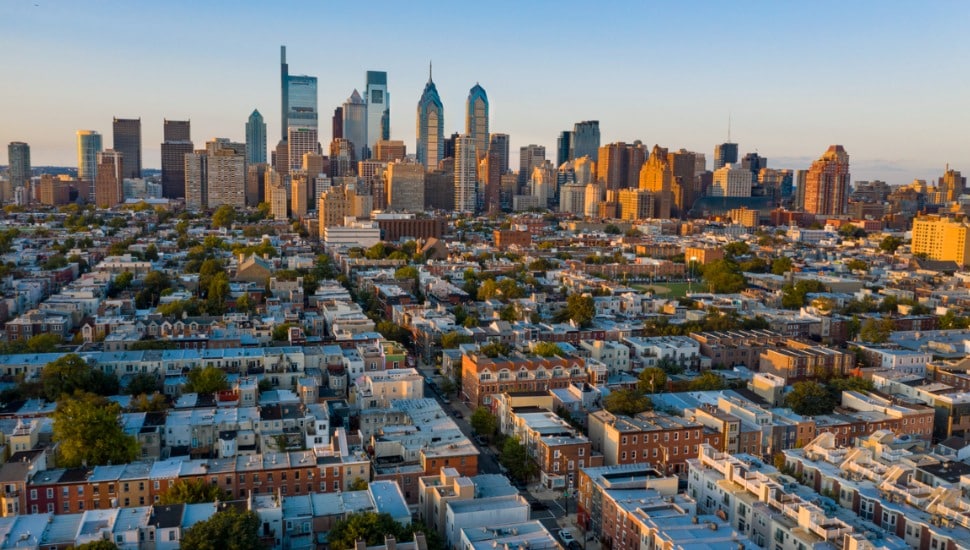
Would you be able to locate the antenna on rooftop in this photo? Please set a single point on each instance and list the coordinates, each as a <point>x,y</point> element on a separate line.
<point>729,127</point>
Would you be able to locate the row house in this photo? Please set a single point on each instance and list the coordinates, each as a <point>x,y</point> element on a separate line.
<point>483,376</point>
<point>737,347</point>
<point>795,360</point>
<point>666,442</point>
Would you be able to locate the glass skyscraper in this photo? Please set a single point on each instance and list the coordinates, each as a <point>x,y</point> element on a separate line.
<point>431,126</point>
<point>355,123</point>
<point>88,147</point>
<point>378,109</point>
<point>476,119</point>
<point>255,139</point>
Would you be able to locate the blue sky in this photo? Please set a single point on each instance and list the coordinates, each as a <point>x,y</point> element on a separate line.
<point>886,79</point>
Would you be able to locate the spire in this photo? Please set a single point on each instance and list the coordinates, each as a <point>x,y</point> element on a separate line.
<point>729,128</point>
<point>429,70</point>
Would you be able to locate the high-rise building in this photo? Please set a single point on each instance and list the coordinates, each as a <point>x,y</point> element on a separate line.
<point>490,169</point>
<point>337,122</point>
<point>431,126</point>
<point>572,199</point>
<point>754,162</point>
<point>405,186</point>
<point>302,101</point>
<point>343,159</point>
<point>300,141</point>
<point>196,180</point>
<point>476,119</point>
<point>612,168</point>
<point>355,124</point>
<point>300,188</point>
<point>127,141</point>
<point>725,153</point>
<point>18,156</point>
<point>800,178</point>
<point>226,174</point>
<point>584,170</point>
<point>657,176</point>
<point>255,139</point>
<point>334,205</point>
<point>255,183</point>
<point>450,146</point>
<point>530,156</point>
<point>952,184</point>
<point>636,156</point>
<point>378,109</point>
<point>276,196</point>
<point>585,140</point>
<point>827,183</point>
<point>731,181</point>
<point>637,204</point>
<point>284,93</point>
<point>178,142</point>
<point>108,191</point>
<point>88,147</point>
<point>499,144</point>
<point>542,184</point>
<point>683,164</point>
<point>387,150</point>
<point>563,154</point>
<point>466,171</point>
<point>941,238</point>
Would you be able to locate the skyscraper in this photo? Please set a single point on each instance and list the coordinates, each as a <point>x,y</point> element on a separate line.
<point>108,186</point>
<point>196,180</point>
<point>754,162</point>
<point>657,176</point>
<point>300,141</point>
<point>405,186</point>
<point>431,126</point>
<point>612,167</point>
<point>530,156</point>
<point>378,109</point>
<point>302,119</point>
<point>499,144</point>
<point>562,147</point>
<point>466,170</point>
<point>18,155</point>
<point>684,165</point>
<point>178,143</point>
<point>491,178</point>
<point>827,183</point>
<point>476,119</point>
<point>731,180</point>
<point>725,153</point>
<point>585,140</point>
<point>355,124</point>
<point>337,131</point>
<point>284,93</point>
<point>255,139</point>
<point>127,141</point>
<point>88,147</point>
<point>952,184</point>
<point>226,174</point>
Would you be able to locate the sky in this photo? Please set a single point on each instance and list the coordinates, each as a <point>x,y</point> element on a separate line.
<point>886,79</point>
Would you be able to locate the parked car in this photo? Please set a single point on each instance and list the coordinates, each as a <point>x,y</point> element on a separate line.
<point>458,414</point>
<point>538,506</point>
<point>480,439</point>
<point>566,537</point>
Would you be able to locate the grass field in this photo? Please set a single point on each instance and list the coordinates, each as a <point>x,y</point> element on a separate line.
<point>670,290</point>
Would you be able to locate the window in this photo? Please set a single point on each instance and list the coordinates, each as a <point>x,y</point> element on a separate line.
<point>50,492</point>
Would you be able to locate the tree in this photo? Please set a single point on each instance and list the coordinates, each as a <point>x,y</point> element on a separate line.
<point>737,248</point>
<point>121,283</point>
<point>708,380</point>
<point>652,379</point>
<point>723,277</point>
<point>809,398</point>
<point>611,229</point>
<point>580,309</point>
<point>406,272</point>
<point>215,301</point>
<point>206,380</point>
<point>152,286</point>
<point>484,422</point>
<point>546,349</point>
<point>192,491</point>
<point>43,343</point>
<point>394,331</point>
<point>875,331</point>
<point>795,296</point>
<point>88,430</point>
<point>781,265</point>
<point>370,527</point>
<point>281,332</point>
<point>224,216</point>
<point>151,252</point>
<point>229,529</point>
<point>494,349</point>
<point>358,484</point>
<point>97,545</point>
<point>148,402</point>
<point>452,340</point>
<point>627,402</point>
<point>515,457</point>
<point>890,243</point>
<point>70,373</point>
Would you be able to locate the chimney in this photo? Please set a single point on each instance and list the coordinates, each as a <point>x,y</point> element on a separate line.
<point>389,542</point>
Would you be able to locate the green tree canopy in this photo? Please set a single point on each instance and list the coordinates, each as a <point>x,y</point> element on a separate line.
<point>652,380</point>
<point>224,216</point>
<point>890,243</point>
<point>88,430</point>
<point>708,380</point>
<point>627,402</point>
<point>876,331</point>
<point>484,422</point>
<point>368,526</point>
<point>452,340</point>
<point>193,491</point>
<point>206,380</point>
<point>810,398</point>
<point>580,309</point>
<point>781,265</point>
<point>97,545</point>
<point>737,248</point>
<point>494,349</point>
<point>515,457</point>
<point>70,373</point>
<point>723,277</point>
<point>795,296</point>
<point>547,349</point>
<point>230,529</point>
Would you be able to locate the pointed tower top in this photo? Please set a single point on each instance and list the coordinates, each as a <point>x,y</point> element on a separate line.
<point>729,128</point>
<point>429,70</point>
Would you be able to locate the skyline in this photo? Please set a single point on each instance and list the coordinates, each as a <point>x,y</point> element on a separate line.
<point>794,79</point>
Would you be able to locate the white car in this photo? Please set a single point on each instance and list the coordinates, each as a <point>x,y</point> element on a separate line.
<point>566,537</point>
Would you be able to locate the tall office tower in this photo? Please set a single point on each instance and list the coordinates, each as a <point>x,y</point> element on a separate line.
<point>378,109</point>
<point>284,93</point>
<point>592,200</point>
<point>315,165</point>
<point>476,119</point>
<point>683,164</point>
<point>637,204</point>
<point>108,185</point>
<point>18,156</point>
<point>88,147</point>
<point>731,181</point>
<point>300,187</point>
<point>827,183</point>
<point>466,171</point>
<point>585,140</point>
<point>530,156</point>
<point>431,126</point>
<point>636,156</point>
<point>563,147</point>
<point>334,205</point>
<point>405,186</point>
<point>585,170</point>
<point>226,174</point>
<point>337,124</point>
<point>255,182</point>
<point>178,143</point>
<point>276,196</point>
<point>255,139</point>
<point>800,178</point>
<point>572,199</point>
<point>612,168</point>
<point>355,124</point>
<point>725,153</point>
<point>952,184</point>
<point>343,160</point>
<point>499,143</point>
<point>439,190</point>
<point>300,141</point>
<point>449,152</point>
<point>754,162</point>
<point>542,183</point>
<point>700,162</point>
<point>491,177</point>
<point>388,150</point>
<point>196,180</point>
<point>657,176</point>
<point>127,141</point>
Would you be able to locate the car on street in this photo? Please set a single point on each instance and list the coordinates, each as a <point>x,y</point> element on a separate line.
<point>480,439</point>
<point>538,506</point>
<point>458,414</point>
<point>566,537</point>
<point>574,545</point>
